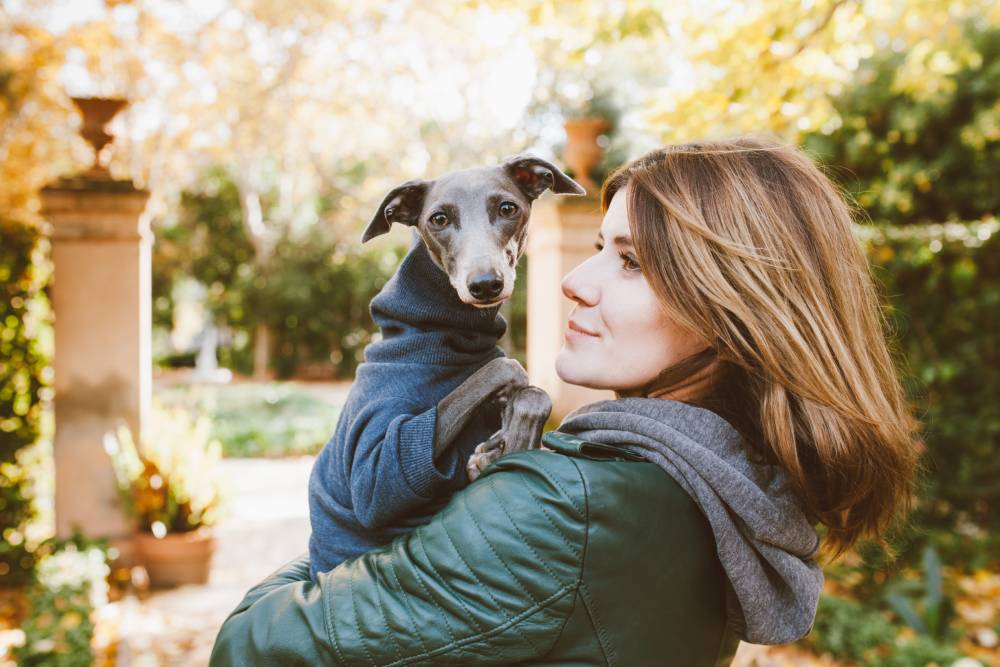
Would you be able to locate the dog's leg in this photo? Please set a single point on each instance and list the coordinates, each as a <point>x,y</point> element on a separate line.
<point>524,418</point>
<point>454,410</point>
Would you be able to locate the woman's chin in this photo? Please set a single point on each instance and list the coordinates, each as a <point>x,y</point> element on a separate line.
<point>570,369</point>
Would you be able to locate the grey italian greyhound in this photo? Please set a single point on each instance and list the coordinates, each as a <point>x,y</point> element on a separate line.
<point>474,223</point>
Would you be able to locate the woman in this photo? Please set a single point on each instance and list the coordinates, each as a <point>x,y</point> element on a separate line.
<point>734,315</point>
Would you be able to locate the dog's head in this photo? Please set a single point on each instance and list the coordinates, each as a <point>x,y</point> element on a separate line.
<point>474,222</point>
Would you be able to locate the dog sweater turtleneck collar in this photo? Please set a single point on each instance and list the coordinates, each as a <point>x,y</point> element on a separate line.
<point>423,320</point>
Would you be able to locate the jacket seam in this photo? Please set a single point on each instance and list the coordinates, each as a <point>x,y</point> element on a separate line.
<point>331,631</point>
<point>487,589</point>
<point>406,601</point>
<point>602,636</point>
<point>471,639</point>
<point>582,554</point>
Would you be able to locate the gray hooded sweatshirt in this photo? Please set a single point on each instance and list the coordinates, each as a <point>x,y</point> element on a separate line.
<point>764,540</point>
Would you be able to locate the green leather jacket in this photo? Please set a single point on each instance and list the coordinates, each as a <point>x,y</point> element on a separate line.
<point>577,556</point>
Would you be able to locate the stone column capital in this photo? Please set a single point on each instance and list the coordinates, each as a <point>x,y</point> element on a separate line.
<point>86,209</point>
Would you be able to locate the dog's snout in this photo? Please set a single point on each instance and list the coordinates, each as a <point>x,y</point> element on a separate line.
<point>485,286</point>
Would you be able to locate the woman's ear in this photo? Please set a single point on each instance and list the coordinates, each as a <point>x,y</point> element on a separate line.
<point>403,204</point>
<point>533,176</point>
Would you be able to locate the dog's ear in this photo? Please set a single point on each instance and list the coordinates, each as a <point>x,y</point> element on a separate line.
<point>403,204</point>
<point>535,175</point>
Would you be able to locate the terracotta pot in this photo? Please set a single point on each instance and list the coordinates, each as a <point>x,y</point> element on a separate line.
<point>177,558</point>
<point>582,152</point>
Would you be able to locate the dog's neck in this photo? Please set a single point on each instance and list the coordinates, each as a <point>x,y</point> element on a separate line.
<point>419,295</point>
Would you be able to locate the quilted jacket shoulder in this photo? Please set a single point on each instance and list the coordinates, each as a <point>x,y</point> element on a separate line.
<point>547,558</point>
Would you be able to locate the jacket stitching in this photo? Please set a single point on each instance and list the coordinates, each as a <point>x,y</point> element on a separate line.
<point>487,589</point>
<point>524,540</point>
<point>602,635</point>
<point>500,560</point>
<point>406,601</point>
<point>552,478</point>
<point>381,610</point>
<point>331,631</point>
<point>548,517</point>
<point>357,626</point>
<point>430,597</point>
<point>444,583</point>
<point>581,555</point>
<point>472,639</point>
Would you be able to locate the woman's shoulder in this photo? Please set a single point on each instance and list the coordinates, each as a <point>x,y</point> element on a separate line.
<point>614,500</point>
<point>644,548</point>
<point>595,474</point>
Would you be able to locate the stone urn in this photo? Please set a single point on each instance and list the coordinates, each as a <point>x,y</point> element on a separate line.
<point>97,112</point>
<point>176,558</point>
<point>582,152</point>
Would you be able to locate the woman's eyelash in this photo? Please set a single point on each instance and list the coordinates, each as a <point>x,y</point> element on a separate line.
<point>634,263</point>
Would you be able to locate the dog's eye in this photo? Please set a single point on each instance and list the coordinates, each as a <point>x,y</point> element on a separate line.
<point>508,209</point>
<point>439,219</point>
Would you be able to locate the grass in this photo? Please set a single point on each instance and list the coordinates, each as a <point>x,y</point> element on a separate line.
<point>268,419</point>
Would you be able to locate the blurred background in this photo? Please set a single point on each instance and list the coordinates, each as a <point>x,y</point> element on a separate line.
<point>183,187</point>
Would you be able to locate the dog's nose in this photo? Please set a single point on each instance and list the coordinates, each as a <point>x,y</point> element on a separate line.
<point>486,286</point>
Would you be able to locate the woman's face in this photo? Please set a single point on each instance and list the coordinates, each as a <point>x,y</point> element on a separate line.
<point>627,338</point>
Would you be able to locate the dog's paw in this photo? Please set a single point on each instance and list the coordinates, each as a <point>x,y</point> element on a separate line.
<point>480,462</point>
<point>485,454</point>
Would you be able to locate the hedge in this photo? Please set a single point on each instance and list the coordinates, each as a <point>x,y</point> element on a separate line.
<point>21,380</point>
<point>943,287</point>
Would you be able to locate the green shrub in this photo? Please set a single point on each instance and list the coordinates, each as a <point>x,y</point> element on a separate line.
<point>917,652</point>
<point>69,584</point>
<point>943,287</point>
<point>846,629</point>
<point>927,156</point>
<point>21,381</point>
<point>314,295</point>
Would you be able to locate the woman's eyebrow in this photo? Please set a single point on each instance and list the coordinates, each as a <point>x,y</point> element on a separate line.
<point>619,240</point>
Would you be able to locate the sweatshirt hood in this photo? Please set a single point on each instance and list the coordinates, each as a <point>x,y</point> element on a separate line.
<point>764,540</point>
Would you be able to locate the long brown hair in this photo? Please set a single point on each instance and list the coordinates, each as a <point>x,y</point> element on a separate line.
<point>749,245</point>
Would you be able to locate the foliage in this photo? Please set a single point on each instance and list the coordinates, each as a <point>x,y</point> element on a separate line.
<point>931,618</point>
<point>38,140</point>
<point>943,287</point>
<point>259,419</point>
<point>314,294</point>
<point>22,384</point>
<point>848,630</point>
<point>311,290</point>
<point>171,485</point>
<point>909,156</point>
<point>918,652</point>
<point>70,583</point>
<point>208,243</point>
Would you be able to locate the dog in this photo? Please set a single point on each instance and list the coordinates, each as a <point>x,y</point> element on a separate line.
<point>432,391</point>
<point>474,224</point>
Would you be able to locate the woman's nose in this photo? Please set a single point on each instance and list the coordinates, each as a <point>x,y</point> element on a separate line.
<point>577,287</point>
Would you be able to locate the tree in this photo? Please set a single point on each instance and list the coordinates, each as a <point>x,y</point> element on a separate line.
<point>911,156</point>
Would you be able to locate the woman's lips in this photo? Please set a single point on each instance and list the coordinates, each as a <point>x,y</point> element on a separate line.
<point>574,330</point>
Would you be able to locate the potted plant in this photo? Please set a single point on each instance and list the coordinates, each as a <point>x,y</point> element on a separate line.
<point>170,488</point>
<point>588,128</point>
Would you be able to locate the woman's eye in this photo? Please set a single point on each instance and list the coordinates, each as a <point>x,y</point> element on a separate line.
<point>630,263</point>
<point>508,209</point>
<point>439,219</point>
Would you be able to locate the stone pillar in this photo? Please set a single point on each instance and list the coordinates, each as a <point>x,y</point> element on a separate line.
<point>562,234</point>
<point>101,293</point>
